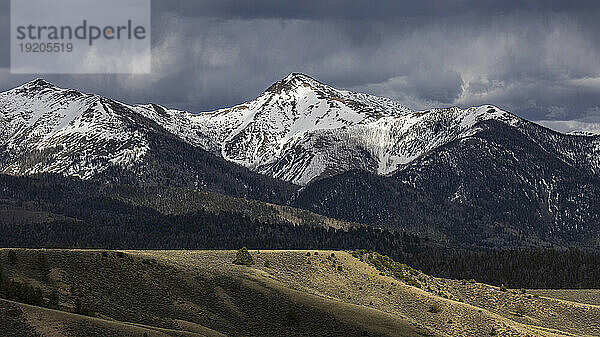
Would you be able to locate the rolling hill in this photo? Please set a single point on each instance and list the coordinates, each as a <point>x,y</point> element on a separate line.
<point>298,293</point>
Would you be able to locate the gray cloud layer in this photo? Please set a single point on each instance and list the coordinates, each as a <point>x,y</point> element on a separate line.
<point>538,59</point>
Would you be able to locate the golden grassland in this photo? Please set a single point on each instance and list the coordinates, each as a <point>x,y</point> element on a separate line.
<point>295,293</point>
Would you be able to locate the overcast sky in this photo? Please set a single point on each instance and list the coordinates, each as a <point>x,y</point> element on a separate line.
<point>537,59</point>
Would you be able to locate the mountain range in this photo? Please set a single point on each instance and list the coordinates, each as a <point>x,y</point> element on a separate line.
<point>475,176</point>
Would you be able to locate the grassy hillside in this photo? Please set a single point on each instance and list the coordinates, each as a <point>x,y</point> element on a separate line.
<point>586,296</point>
<point>19,319</point>
<point>295,293</point>
<point>162,291</point>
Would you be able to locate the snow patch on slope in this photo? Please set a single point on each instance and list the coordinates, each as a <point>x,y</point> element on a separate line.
<point>49,129</point>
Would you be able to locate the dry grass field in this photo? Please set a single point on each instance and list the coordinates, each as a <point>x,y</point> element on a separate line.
<point>585,296</point>
<point>286,293</point>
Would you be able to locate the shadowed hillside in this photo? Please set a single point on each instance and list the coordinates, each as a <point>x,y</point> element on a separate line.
<point>295,293</point>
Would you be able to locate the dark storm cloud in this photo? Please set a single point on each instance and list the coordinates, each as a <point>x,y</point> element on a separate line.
<point>539,59</point>
<point>362,10</point>
<point>4,37</point>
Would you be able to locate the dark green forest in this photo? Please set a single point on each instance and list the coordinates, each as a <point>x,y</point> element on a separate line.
<point>57,212</point>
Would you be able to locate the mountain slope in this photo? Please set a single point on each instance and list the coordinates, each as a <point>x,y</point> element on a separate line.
<point>300,130</point>
<point>285,132</point>
<point>46,129</point>
<point>55,210</point>
<point>497,187</point>
<point>479,175</point>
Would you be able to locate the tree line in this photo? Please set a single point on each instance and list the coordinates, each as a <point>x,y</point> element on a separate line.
<point>83,215</point>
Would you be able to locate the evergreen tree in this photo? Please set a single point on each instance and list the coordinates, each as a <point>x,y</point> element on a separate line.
<point>42,265</point>
<point>12,257</point>
<point>243,257</point>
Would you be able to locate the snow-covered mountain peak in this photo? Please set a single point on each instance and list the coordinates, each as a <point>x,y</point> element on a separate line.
<point>40,90</point>
<point>37,84</point>
<point>257,133</point>
<point>300,87</point>
<point>299,77</point>
<point>79,134</point>
<point>298,130</point>
<point>292,82</point>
